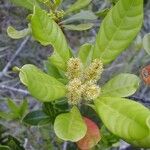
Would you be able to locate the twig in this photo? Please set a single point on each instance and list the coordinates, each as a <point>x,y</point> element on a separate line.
<point>65,145</point>
<point>14,89</point>
<point>4,71</point>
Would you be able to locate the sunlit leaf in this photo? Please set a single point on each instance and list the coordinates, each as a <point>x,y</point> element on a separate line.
<point>15,34</point>
<point>57,2</point>
<point>146,43</point>
<point>29,4</point>
<point>47,32</point>
<point>83,15</point>
<point>70,126</point>
<point>85,53</point>
<point>118,29</point>
<point>42,86</point>
<point>80,27</point>
<point>125,118</point>
<point>78,5</point>
<point>122,85</point>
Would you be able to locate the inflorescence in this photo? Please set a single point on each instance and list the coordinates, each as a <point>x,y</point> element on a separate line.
<point>83,81</point>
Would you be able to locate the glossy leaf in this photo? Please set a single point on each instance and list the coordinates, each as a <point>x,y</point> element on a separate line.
<point>83,15</point>
<point>70,126</point>
<point>92,136</point>
<point>14,34</point>
<point>36,117</point>
<point>125,118</point>
<point>29,4</point>
<point>118,29</point>
<point>42,86</point>
<point>122,85</point>
<point>47,32</point>
<point>146,43</point>
<point>85,53</point>
<point>80,27</point>
<point>78,5</point>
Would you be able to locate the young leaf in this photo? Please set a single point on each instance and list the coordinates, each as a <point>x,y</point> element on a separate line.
<point>118,29</point>
<point>13,107</point>
<point>36,117</point>
<point>70,126</point>
<point>122,85</point>
<point>78,5</point>
<point>125,118</point>
<point>8,115</point>
<point>83,15</point>
<point>23,108</point>
<point>47,32</point>
<point>146,43</point>
<point>57,2</point>
<point>29,4</point>
<point>42,86</point>
<point>14,34</point>
<point>92,136</point>
<point>80,27</point>
<point>85,53</point>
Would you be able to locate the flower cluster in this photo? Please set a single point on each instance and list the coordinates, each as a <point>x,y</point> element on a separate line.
<point>82,81</point>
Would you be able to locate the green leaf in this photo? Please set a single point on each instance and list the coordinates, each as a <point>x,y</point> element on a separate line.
<point>23,108</point>
<point>47,32</point>
<point>14,34</point>
<point>108,139</point>
<point>103,12</point>
<point>13,107</point>
<point>122,85</point>
<point>29,4</point>
<point>57,2</point>
<point>52,109</point>
<point>42,86</point>
<point>118,29</point>
<point>3,147</point>
<point>36,117</point>
<point>52,70</point>
<point>85,53</point>
<point>83,15</point>
<point>80,27</point>
<point>126,119</point>
<point>146,43</point>
<point>7,115</point>
<point>70,126</point>
<point>78,5</point>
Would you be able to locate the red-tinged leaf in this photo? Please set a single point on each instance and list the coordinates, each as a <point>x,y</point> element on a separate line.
<point>92,136</point>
